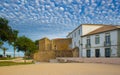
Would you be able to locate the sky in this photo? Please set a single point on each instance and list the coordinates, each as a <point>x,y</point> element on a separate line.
<point>56,18</point>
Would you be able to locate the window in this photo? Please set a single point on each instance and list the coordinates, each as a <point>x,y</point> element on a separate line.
<point>72,35</point>
<point>97,39</point>
<point>88,53</point>
<point>75,34</point>
<point>79,31</point>
<point>107,38</point>
<point>74,44</point>
<point>107,52</point>
<point>79,42</point>
<point>88,41</point>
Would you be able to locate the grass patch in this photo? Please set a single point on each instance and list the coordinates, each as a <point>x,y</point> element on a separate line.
<point>10,63</point>
<point>6,58</point>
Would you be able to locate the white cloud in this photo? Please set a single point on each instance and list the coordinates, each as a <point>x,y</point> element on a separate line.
<point>87,1</point>
<point>61,8</point>
<point>52,4</point>
<point>70,1</point>
<point>6,4</point>
<point>37,2</point>
<point>78,1</point>
<point>59,12</point>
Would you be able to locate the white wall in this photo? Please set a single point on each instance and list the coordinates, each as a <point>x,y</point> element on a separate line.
<point>76,39</point>
<point>84,29</point>
<point>113,36</point>
<point>88,28</point>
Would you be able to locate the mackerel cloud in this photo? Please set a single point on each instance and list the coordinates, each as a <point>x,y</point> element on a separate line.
<point>44,15</point>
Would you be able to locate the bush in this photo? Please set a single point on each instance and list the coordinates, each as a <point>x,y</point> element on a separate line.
<point>1,56</point>
<point>8,56</point>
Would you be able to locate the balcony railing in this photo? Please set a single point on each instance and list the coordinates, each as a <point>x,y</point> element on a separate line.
<point>107,44</point>
<point>88,45</point>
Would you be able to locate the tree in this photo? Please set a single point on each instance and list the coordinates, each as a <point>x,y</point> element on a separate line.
<point>4,51</point>
<point>37,44</point>
<point>12,39</point>
<point>7,33</point>
<point>26,45</point>
<point>4,29</point>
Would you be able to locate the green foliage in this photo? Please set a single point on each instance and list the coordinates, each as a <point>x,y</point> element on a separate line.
<point>37,43</point>
<point>4,29</point>
<point>7,33</point>
<point>10,63</point>
<point>26,45</point>
<point>6,58</point>
<point>13,37</point>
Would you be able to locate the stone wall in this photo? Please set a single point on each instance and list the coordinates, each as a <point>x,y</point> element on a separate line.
<point>46,55</point>
<point>61,44</point>
<point>50,49</point>
<point>44,44</point>
<point>63,53</point>
<point>55,44</point>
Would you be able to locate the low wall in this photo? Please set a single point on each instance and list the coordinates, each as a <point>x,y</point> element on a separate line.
<point>91,60</point>
<point>46,55</point>
<point>63,53</point>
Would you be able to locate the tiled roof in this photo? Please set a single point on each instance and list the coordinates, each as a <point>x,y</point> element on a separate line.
<point>103,29</point>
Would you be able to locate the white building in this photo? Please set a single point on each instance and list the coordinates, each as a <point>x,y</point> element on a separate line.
<point>102,42</point>
<point>90,39</point>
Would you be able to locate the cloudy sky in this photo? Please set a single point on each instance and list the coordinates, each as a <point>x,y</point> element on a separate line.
<point>55,18</point>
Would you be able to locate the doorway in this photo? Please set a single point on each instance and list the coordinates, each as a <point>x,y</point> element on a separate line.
<point>97,52</point>
<point>88,54</point>
<point>107,52</point>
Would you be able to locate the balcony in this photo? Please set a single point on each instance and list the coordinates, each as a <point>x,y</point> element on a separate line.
<point>107,44</point>
<point>88,45</point>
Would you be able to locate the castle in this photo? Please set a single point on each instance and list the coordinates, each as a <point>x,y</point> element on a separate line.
<point>50,49</point>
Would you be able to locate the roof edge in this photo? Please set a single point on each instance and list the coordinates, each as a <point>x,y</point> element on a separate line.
<point>86,24</point>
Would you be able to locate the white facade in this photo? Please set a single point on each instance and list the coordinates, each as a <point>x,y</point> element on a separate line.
<point>78,32</point>
<point>101,44</point>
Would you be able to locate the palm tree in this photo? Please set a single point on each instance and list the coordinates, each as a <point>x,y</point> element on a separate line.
<point>4,50</point>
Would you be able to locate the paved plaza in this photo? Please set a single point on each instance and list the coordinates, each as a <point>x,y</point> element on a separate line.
<point>61,69</point>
